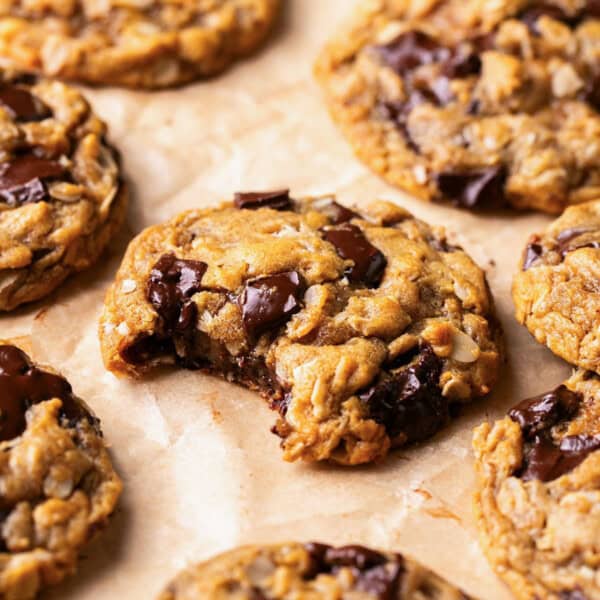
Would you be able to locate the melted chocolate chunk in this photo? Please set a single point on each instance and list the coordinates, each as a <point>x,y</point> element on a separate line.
<point>268,302</point>
<point>351,244</point>
<point>565,238</point>
<point>147,348</point>
<point>22,180</point>
<point>410,402</point>
<point>411,50</point>
<point>22,385</point>
<point>531,15</point>
<point>337,213</point>
<point>375,573</point>
<point>171,285</point>
<point>277,200</point>
<point>540,413</point>
<point>543,459</point>
<point>533,253</point>
<point>474,188</point>
<point>22,105</point>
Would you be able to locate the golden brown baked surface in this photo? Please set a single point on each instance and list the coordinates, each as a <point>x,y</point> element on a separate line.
<point>480,103</point>
<point>61,195</point>
<point>361,329</point>
<point>57,484</point>
<point>538,498</point>
<point>309,572</point>
<point>555,292</point>
<point>147,44</point>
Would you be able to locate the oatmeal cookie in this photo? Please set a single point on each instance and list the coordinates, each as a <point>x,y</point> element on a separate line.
<point>478,102</point>
<point>556,291</point>
<point>57,484</point>
<point>362,328</point>
<point>310,571</point>
<point>61,196</point>
<point>141,44</point>
<point>538,498</point>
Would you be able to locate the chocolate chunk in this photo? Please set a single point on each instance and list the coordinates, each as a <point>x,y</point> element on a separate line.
<point>474,188</point>
<point>268,302</point>
<point>540,413</point>
<point>462,64</point>
<point>22,105</point>
<point>531,15</point>
<point>592,9</point>
<point>337,213</point>
<point>374,572</point>
<point>351,244</point>
<point>545,461</point>
<point>147,348</point>
<point>171,285</point>
<point>22,385</point>
<point>533,253</point>
<point>572,595</point>
<point>411,50</point>
<point>358,557</point>
<point>22,180</point>
<point>565,238</point>
<point>409,401</point>
<point>277,200</point>
<point>591,89</point>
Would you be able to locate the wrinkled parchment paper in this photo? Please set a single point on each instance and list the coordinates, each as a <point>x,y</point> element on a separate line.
<point>202,472</point>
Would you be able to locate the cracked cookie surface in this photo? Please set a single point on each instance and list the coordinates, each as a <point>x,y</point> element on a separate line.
<point>538,498</point>
<point>57,484</point>
<point>61,197</point>
<point>364,328</point>
<point>478,102</point>
<point>147,44</point>
<point>556,291</point>
<point>310,571</point>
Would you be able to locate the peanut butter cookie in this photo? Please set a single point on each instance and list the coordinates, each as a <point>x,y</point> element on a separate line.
<point>556,291</point>
<point>309,572</point>
<point>478,102</point>
<point>362,327</point>
<point>141,44</point>
<point>57,484</point>
<point>538,498</point>
<point>61,196</point>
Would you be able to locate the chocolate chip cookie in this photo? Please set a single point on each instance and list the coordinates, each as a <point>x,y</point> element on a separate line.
<point>142,44</point>
<point>61,196</point>
<point>309,571</point>
<point>57,484</point>
<point>479,103</point>
<point>556,291</point>
<point>538,499</point>
<point>363,328</point>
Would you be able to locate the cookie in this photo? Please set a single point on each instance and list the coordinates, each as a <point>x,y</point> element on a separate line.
<point>57,484</point>
<point>480,103</point>
<point>310,571</point>
<point>555,292</point>
<point>363,328</point>
<point>538,498</point>
<point>147,44</point>
<point>61,196</point>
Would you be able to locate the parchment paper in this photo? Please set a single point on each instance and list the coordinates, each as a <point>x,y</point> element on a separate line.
<point>202,472</point>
